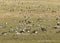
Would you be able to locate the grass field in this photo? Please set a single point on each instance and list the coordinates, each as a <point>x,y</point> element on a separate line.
<point>13,11</point>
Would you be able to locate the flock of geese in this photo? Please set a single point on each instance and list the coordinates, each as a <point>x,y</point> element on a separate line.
<point>19,30</point>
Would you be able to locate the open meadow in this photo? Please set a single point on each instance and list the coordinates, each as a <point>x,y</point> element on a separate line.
<point>29,21</point>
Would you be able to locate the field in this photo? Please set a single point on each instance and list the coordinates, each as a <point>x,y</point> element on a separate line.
<point>30,14</point>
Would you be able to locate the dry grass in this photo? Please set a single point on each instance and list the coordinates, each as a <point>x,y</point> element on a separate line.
<point>11,10</point>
